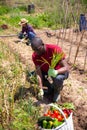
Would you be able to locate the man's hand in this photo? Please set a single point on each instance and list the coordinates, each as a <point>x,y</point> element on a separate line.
<point>40,94</point>
<point>52,72</point>
<point>22,40</point>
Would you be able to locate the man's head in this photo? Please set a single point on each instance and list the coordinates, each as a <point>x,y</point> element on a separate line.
<point>38,45</point>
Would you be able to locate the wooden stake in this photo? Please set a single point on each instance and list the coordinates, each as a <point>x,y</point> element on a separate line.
<point>85,60</point>
<point>79,43</point>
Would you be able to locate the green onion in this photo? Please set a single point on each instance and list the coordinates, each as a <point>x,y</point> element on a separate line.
<point>55,59</point>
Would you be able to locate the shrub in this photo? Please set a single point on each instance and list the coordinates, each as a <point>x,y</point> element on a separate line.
<point>4,10</point>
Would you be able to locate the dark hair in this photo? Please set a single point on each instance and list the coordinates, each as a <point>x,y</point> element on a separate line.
<point>36,41</point>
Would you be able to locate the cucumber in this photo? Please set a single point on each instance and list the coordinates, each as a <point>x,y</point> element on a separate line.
<point>47,118</point>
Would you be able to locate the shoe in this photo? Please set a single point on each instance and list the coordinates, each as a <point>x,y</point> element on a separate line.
<point>28,43</point>
<point>56,97</point>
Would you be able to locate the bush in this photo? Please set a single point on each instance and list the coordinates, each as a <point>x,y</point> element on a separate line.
<point>22,8</point>
<point>4,10</point>
<point>25,115</point>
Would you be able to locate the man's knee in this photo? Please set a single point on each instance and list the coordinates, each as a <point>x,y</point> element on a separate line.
<point>62,77</point>
<point>59,79</point>
<point>58,82</point>
<point>31,35</point>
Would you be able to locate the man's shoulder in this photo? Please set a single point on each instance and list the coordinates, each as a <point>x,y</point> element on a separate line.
<point>52,46</point>
<point>34,55</point>
<point>29,26</point>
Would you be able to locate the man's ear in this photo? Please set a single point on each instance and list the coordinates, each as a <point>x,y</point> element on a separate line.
<point>42,43</point>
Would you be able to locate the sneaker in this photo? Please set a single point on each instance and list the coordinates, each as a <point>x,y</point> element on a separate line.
<point>27,43</point>
<point>56,97</point>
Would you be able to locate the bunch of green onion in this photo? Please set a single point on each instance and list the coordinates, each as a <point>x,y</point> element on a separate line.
<point>55,59</point>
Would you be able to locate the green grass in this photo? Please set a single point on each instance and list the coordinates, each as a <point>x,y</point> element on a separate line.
<point>22,114</point>
<point>53,15</point>
<point>25,115</point>
<point>4,10</point>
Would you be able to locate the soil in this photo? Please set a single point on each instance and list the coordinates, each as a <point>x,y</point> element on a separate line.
<point>75,87</point>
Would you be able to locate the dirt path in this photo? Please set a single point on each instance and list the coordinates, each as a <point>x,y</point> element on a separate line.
<point>75,88</point>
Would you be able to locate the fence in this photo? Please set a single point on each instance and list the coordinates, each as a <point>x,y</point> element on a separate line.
<point>76,45</point>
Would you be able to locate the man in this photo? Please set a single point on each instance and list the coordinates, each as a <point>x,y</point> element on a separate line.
<point>42,57</point>
<point>27,30</point>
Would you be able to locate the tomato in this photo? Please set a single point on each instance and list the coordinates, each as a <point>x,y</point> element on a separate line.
<point>46,114</point>
<point>56,112</point>
<point>68,111</point>
<point>59,117</point>
<point>66,115</point>
<point>49,112</point>
<point>53,115</point>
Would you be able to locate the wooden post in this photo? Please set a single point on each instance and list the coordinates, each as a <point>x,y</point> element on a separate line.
<point>79,43</point>
<point>85,59</point>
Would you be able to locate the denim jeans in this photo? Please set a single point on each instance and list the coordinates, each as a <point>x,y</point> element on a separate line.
<point>58,81</point>
<point>29,35</point>
<point>57,84</point>
<point>83,22</point>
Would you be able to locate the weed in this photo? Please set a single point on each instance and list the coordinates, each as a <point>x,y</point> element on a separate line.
<point>4,10</point>
<point>14,116</point>
<point>25,115</point>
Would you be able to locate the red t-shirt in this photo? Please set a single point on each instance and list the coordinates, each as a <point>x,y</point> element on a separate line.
<point>38,59</point>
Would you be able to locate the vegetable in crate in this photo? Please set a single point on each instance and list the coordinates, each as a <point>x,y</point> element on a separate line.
<point>49,125</point>
<point>56,123</point>
<point>44,123</point>
<point>49,60</point>
<point>53,117</point>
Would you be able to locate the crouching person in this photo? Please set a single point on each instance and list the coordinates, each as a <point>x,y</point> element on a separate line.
<point>42,57</point>
<point>27,31</point>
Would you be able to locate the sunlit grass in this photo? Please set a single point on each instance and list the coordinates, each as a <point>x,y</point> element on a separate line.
<point>53,15</point>
<point>11,79</point>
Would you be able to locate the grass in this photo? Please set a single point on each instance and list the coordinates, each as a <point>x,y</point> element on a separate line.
<point>52,16</point>
<point>25,117</point>
<point>20,115</point>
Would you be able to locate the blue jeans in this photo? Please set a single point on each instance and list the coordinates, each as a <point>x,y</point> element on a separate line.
<point>57,84</point>
<point>29,35</point>
<point>58,81</point>
<point>82,22</point>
